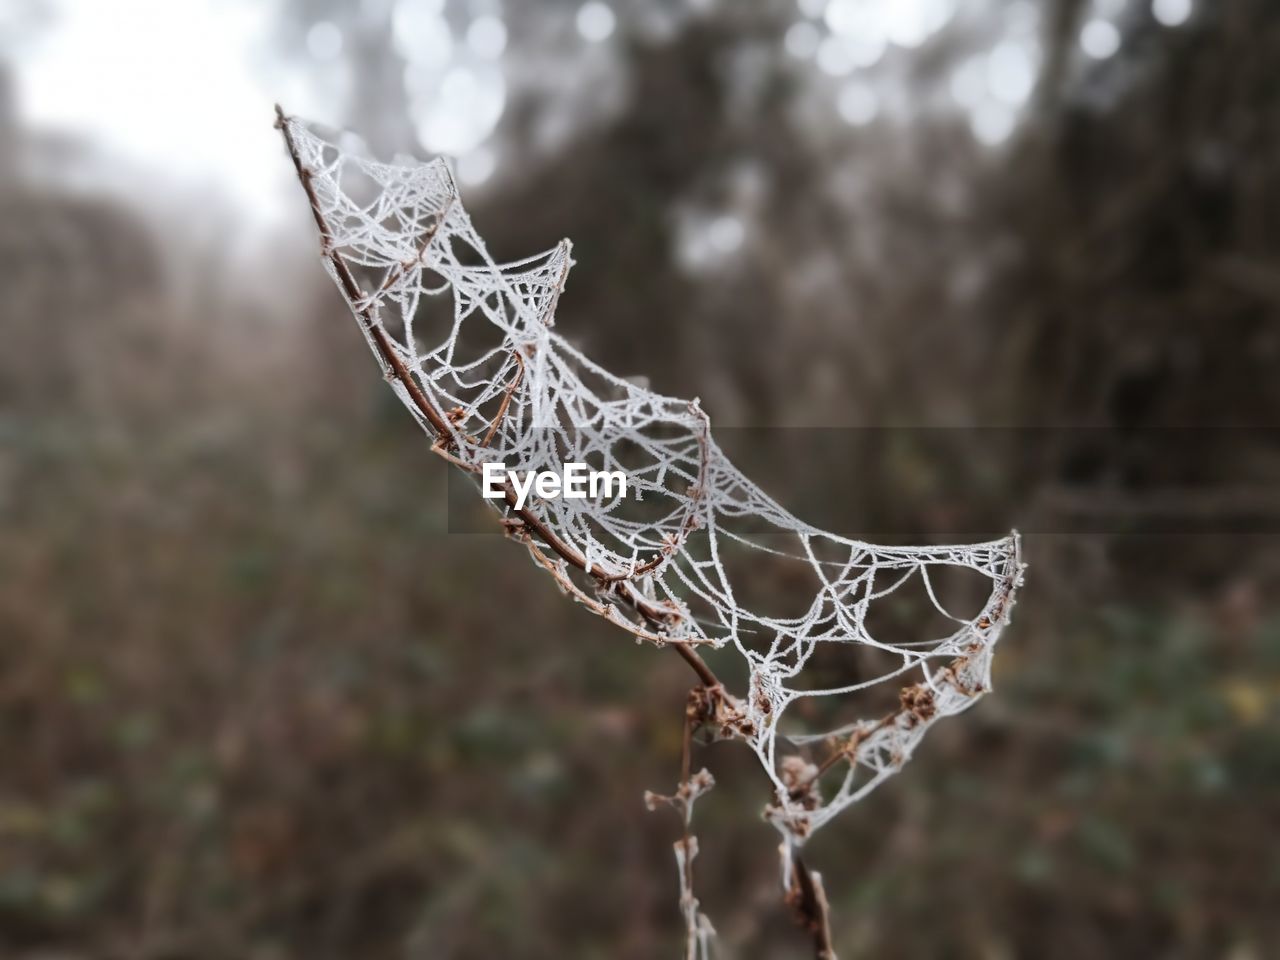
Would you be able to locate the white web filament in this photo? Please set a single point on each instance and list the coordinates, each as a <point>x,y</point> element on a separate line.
<point>491,381</point>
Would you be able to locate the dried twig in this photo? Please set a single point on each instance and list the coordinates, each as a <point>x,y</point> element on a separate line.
<point>808,901</point>
<point>657,616</point>
<point>698,929</point>
<point>609,592</point>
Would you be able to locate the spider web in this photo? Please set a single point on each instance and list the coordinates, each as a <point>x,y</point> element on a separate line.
<point>490,380</point>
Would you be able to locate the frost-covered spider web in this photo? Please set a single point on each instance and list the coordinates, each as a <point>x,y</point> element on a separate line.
<point>680,561</point>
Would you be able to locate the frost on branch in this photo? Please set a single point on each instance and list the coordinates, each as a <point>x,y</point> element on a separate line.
<point>490,380</point>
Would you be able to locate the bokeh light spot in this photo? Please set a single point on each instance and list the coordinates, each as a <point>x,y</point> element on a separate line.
<point>477,166</point>
<point>1171,13</point>
<point>802,40</point>
<point>1099,39</point>
<point>455,117</point>
<point>1011,73</point>
<point>324,40</point>
<point>858,104</point>
<point>487,37</point>
<point>993,123</point>
<point>420,33</point>
<point>596,21</point>
<point>835,58</point>
<point>726,233</point>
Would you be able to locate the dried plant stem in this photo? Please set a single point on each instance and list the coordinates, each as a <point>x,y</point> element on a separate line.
<point>393,367</point>
<point>806,895</point>
<point>697,664</point>
<point>698,929</point>
<point>807,898</point>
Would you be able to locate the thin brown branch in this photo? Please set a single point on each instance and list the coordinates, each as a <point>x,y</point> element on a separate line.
<point>699,666</point>
<point>808,901</point>
<point>391,361</point>
<point>699,707</point>
<point>506,399</point>
<point>658,615</point>
<point>550,311</point>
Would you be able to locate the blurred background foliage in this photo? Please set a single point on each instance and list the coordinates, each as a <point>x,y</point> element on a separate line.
<point>257,702</point>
